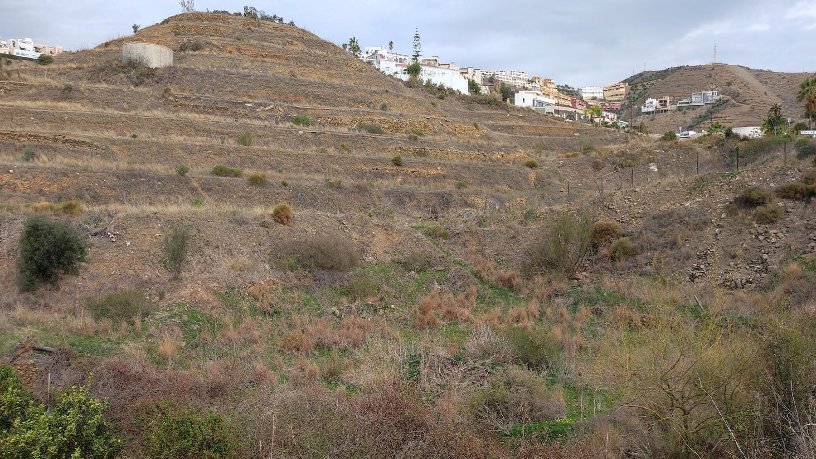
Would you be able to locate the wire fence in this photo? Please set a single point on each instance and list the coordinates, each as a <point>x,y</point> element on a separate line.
<point>661,170</point>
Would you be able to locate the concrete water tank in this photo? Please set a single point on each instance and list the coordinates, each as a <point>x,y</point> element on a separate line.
<point>153,56</point>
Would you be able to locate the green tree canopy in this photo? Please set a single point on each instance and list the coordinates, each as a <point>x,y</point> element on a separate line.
<point>807,95</point>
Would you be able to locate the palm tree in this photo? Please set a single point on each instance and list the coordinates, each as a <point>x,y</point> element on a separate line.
<point>807,95</point>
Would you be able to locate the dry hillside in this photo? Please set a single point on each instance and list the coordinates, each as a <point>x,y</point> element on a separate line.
<point>380,270</point>
<point>748,95</point>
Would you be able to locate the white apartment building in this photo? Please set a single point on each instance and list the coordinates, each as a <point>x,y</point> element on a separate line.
<point>515,78</point>
<point>472,74</point>
<point>591,92</point>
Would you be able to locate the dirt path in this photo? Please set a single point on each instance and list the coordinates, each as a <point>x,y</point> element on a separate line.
<point>753,83</point>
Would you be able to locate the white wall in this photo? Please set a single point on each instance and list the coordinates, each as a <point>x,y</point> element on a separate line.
<point>153,56</point>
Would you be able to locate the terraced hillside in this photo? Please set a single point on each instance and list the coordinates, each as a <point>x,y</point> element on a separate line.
<point>272,250</point>
<point>749,94</point>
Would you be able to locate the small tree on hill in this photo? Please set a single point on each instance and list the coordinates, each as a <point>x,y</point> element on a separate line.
<point>48,248</point>
<point>136,27</point>
<point>414,70</point>
<point>417,48</point>
<point>353,47</point>
<point>187,6</point>
<point>473,87</point>
<point>506,92</point>
<point>773,123</point>
<point>391,46</point>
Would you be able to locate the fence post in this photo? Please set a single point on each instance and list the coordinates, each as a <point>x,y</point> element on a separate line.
<point>633,176</point>
<point>737,152</point>
<point>698,162</point>
<point>786,152</point>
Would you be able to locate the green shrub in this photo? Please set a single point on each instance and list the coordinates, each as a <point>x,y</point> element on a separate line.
<point>301,120</point>
<point>435,231</point>
<point>122,306</point>
<point>460,185</point>
<point>416,261</point>
<point>622,248</point>
<point>755,149</point>
<point>73,428</point>
<point>257,179</point>
<point>179,434</point>
<point>244,139</point>
<point>768,213</point>
<point>221,170</point>
<point>344,148</point>
<point>604,231</point>
<point>384,106</point>
<point>535,348</point>
<point>753,197</point>
<point>669,136</point>
<point>176,247</point>
<point>182,170</point>
<point>30,154</point>
<point>486,99</point>
<point>564,246</point>
<point>397,161</point>
<point>531,163</point>
<point>15,399</point>
<point>45,59</point>
<point>370,128</point>
<point>328,253</point>
<point>47,248</point>
<point>804,148</point>
<point>362,287</point>
<point>282,213</point>
<point>796,191</point>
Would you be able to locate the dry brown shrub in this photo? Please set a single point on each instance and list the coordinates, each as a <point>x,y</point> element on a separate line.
<point>283,214</point>
<point>261,372</point>
<point>490,318</point>
<point>333,368</point>
<point>310,333</point>
<point>485,344</point>
<point>169,346</point>
<point>604,231</point>
<point>437,308</point>
<point>490,273</point>
<point>792,271</point>
<point>271,297</point>
<point>304,372</point>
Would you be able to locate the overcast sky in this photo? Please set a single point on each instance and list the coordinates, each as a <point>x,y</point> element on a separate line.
<point>579,42</point>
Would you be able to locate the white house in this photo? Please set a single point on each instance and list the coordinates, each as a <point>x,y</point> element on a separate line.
<point>396,65</point>
<point>532,99</point>
<point>704,97</point>
<point>649,106</point>
<point>23,47</point>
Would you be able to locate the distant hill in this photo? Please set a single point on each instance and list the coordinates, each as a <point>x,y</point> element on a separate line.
<point>748,94</point>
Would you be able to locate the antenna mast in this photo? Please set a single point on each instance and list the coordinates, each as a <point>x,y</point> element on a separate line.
<point>714,60</point>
